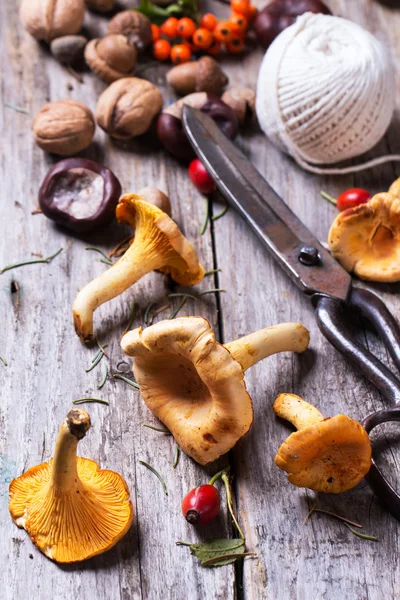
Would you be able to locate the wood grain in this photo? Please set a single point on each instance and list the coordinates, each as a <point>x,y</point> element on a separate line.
<point>46,364</point>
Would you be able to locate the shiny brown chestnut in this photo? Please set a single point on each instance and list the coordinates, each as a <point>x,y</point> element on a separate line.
<point>80,194</point>
<point>280,14</point>
<point>170,128</point>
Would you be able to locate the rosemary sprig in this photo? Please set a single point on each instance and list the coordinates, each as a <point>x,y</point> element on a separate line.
<point>182,295</point>
<point>328,197</point>
<point>213,291</point>
<point>105,259</point>
<point>131,316</point>
<point>126,379</point>
<point>221,214</point>
<point>331,514</point>
<point>147,312</point>
<point>364,536</point>
<point>30,262</point>
<point>167,431</point>
<point>176,311</point>
<point>3,360</point>
<point>176,457</point>
<point>156,473</point>
<point>95,361</point>
<point>206,218</point>
<point>104,378</point>
<point>100,351</point>
<point>16,108</point>
<point>211,271</point>
<point>83,400</point>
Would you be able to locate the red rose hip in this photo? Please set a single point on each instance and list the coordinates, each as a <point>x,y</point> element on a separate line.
<point>200,177</point>
<point>201,505</point>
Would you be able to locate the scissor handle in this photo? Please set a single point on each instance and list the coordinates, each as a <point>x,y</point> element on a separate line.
<point>331,319</point>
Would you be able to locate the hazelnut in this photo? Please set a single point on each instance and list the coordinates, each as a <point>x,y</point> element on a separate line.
<point>49,19</point>
<point>127,107</point>
<point>156,197</point>
<point>243,103</point>
<point>203,75</point>
<point>111,57</point>
<point>68,49</point>
<point>134,25</point>
<point>64,127</point>
<point>101,6</point>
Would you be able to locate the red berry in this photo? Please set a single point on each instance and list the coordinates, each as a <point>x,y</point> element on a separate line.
<point>351,198</point>
<point>200,177</point>
<point>201,505</point>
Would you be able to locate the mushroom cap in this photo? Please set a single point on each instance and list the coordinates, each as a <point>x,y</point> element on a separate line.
<point>73,525</point>
<point>329,456</point>
<point>156,229</point>
<point>366,239</point>
<point>192,384</point>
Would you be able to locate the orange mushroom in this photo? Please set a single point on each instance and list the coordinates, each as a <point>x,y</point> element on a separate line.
<point>326,455</point>
<point>365,240</point>
<point>70,508</point>
<point>158,245</point>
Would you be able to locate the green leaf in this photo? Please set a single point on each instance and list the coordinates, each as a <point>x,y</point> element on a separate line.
<point>158,14</point>
<point>216,553</point>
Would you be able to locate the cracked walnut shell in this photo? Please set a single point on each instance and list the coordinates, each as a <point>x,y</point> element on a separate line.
<point>64,127</point>
<point>127,107</point>
<point>50,19</point>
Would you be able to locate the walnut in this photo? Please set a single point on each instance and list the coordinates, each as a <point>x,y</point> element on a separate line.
<point>64,127</point>
<point>111,57</point>
<point>127,107</point>
<point>134,25</point>
<point>101,6</point>
<point>49,19</point>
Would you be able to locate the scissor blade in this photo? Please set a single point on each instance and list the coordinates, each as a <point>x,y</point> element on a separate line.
<point>270,218</point>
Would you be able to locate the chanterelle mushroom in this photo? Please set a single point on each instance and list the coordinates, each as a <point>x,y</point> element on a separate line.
<point>158,245</point>
<point>326,455</point>
<point>195,385</point>
<point>70,508</point>
<point>366,239</point>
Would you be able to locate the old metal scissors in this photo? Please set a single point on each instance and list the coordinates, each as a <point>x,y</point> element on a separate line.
<point>312,269</point>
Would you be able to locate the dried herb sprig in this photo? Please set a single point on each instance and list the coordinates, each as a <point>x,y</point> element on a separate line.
<point>104,378</point>
<point>177,310</point>
<point>206,217</point>
<point>221,214</point>
<point>345,522</point>
<point>211,271</point>
<point>126,379</point>
<point>106,259</point>
<point>176,456</point>
<point>213,291</point>
<point>31,262</point>
<point>3,360</point>
<point>364,536</point>
<point>157,474</point>
<point>131,316</point>
<point>166,431</point>
<point>147,312</point>
<point>83,400</point>
<point>18,109</point>
<point>121,247</point>
<point>182,295</point>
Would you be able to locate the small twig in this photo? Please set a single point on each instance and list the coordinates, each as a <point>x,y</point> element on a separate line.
<point>328,197</point>
<point>116,251</point>
<point>104,379</point>
<point>157,312</point>
<point>131,316</point>
<point>225,479</point>
<point>31,262</point>
<point>176,457</point>
<point>206,218</point>
<point>214,291</point>
<point>180,543</point>
<point>101,348</point>
<point>176,311</point>
<point>221,214</point>
<point>82,400</point>
<point>104,255</point>
<point>3,360</point>
<point>156,473</point>
<point>18,109</point>
<point>37,211</point>
<point>211,271</point>
<point>127,380</point>
<point>167,431</point>
<point>364,536</point>
<point>147,311</point>
<point>331,514</point>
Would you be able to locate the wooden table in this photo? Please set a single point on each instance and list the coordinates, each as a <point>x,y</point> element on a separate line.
<point>46,364</point>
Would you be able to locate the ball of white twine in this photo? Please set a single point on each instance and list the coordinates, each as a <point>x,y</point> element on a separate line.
<point>326,93</point>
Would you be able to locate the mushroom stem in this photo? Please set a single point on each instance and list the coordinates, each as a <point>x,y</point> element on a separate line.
<point>286,337</point>
<point>73,429</point>
<point>296,410</point>
<point>134,264</point>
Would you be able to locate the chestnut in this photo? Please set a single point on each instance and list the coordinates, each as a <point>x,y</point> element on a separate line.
<point>280,14</point>
<point>80,194</point>
<point>170,128</point>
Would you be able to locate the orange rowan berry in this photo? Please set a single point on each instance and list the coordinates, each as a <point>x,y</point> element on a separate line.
<point>235,46</point>
<point>155,32</point>
<point>202,38</point>
<point>209,21</point>
<point>161,49</point>
<point>186,27</point>
<point>252,12</point>
<point>223,32</point>
<point>238,22</point>
<point>181,53</point>
<point>240,6</point>
<point>169,27</point>
<point>215,47</point>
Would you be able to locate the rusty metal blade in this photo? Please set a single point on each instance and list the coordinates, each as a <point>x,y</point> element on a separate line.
<point>270,218</point>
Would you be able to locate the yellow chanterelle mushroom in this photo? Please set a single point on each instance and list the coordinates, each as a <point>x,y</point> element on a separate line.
<point>195,385</point>
<point>70,508</point>
<point>326,455</point>
<point>158,245</point>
